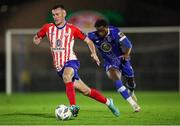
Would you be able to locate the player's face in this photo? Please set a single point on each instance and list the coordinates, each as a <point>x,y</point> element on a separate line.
<point>102,31</point>
<point>58,16</point>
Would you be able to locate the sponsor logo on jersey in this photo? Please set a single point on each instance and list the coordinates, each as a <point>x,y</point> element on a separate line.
<point>57,49</point>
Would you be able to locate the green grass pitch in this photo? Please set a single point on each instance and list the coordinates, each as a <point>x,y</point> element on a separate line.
<point>158,108</point>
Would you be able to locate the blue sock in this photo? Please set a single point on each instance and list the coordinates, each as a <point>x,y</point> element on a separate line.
<point>121,89</point>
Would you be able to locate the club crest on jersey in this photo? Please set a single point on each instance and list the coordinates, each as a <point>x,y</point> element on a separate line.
<point>58,47</point>
<point>106,47</point>
<point>58,43</point>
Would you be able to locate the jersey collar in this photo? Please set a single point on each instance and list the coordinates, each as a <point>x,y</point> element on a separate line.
<point>62,26</point>
<point>108,32</point>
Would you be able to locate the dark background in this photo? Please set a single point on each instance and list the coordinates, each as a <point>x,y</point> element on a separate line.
<point>139,13</point>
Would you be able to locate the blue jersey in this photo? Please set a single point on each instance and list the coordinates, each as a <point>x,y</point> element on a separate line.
<point>112,46</point>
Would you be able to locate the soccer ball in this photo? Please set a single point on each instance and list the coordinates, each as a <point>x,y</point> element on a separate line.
<point>63,112</point>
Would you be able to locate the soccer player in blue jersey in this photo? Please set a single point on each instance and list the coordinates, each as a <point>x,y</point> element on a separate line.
<point>115,49</point>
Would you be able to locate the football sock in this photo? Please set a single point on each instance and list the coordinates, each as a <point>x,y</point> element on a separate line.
<point>131,101</point>
<point>121,89</point>
<point>70,92</point>
<point>97,96</point>
<point>124,92</point>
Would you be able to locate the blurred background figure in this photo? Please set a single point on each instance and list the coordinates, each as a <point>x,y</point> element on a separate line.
<point>155,53</point>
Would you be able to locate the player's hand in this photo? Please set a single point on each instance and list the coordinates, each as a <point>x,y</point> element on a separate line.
<point>37,39</point>
<point>95,58</point>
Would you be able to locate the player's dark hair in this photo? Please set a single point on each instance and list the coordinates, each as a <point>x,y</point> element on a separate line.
<point>101,22</point>
<point>58,6</point>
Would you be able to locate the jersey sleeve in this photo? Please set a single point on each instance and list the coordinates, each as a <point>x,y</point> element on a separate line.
<point>124,40</point>
<point>90,36</point>
<point>42,31</point>
<point>79,34</point>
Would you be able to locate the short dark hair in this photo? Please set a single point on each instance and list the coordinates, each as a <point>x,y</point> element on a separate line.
<point>58,6</point>
<point>101,22</point>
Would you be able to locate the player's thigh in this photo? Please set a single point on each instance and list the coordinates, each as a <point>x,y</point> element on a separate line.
<point>82,87</point>
<point>114,74</point>
<point>127,69</point>
<point>68,74</point>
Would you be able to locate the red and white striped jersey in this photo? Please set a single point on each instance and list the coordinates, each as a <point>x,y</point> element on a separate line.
<point>61,42</point>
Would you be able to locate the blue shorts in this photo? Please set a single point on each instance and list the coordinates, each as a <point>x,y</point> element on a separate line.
<point>123,66</point>
<point>73,64</point>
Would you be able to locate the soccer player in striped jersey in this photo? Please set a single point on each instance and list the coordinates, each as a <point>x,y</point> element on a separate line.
<point>61,37</point>
<point>115,49</point>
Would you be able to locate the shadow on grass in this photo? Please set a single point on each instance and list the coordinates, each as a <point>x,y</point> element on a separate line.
<point>44,115</point>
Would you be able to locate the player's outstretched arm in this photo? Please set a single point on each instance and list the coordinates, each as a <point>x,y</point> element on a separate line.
<point>93,50</point>
<point>37,39</point>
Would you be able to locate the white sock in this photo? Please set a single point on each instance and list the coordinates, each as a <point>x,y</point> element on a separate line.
<point>108,102</point>
<point>131,101</point>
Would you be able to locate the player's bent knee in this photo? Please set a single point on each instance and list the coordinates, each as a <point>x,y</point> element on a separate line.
<point>114,74</point>
<point>86,92</point>
<point>131,85</point>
